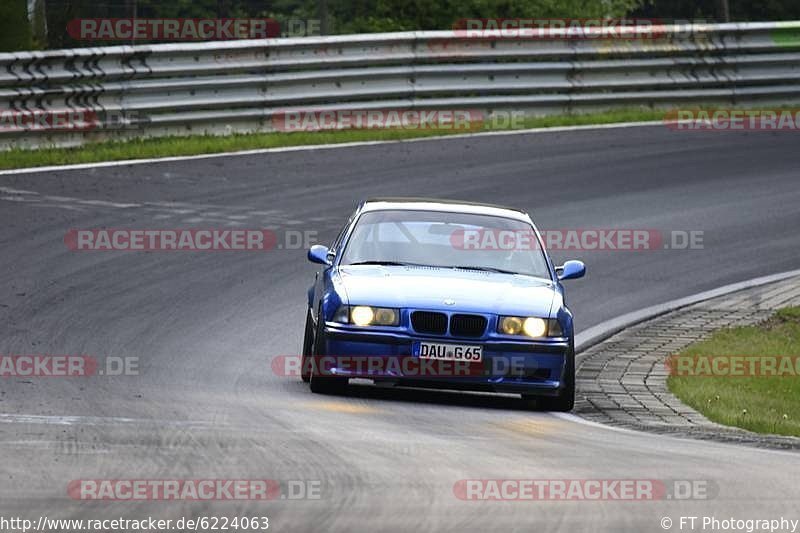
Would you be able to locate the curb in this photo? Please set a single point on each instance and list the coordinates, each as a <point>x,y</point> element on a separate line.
<point>621,382</point>
<point>596,334</point>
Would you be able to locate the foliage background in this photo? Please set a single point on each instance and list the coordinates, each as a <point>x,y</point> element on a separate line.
<point>27,24</point>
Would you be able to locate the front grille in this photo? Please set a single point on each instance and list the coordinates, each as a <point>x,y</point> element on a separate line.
<point>429,322</point>
<point>467,325</point>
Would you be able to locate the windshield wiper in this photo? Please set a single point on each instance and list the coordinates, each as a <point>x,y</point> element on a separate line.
<point>486,269</point>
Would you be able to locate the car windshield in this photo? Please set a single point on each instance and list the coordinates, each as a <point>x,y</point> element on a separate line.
<point>446,239</point>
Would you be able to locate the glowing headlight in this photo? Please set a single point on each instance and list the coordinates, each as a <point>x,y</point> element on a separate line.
<point>529,326</point>
<point>534,327</point>
<point>363,315</point>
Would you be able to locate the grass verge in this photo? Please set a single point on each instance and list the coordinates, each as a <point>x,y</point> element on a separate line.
<point>764,404</point>
<point>207,144</point>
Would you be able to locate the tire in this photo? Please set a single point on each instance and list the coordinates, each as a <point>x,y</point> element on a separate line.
<point>323,384</point>
<point>308,345</point>
<point>565,401</point>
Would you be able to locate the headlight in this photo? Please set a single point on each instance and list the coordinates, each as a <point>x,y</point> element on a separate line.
<point>364,315</point>
<point>534,327</point>
<point>511,325</point>
<point>529,326</point>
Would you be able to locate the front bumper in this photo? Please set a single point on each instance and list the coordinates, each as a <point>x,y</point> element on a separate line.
<point>526,367</point>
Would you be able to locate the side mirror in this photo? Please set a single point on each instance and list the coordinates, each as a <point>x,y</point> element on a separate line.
<point>571,270</point>
<point>319,254</point>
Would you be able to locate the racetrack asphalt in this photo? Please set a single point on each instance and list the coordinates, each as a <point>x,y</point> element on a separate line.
<point>204,326</point>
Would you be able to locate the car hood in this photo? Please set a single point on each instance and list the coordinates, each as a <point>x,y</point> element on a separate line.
<point>430,287</point>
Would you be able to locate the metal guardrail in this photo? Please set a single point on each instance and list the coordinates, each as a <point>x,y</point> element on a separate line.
<point>238,86</point>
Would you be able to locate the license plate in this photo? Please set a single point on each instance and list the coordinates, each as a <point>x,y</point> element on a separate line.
<point>449,352</point>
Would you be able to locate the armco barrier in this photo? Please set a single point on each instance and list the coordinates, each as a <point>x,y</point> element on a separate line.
<point>237,86</point>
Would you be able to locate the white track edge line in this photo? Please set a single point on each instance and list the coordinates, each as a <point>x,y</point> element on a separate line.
<point>311,147</point>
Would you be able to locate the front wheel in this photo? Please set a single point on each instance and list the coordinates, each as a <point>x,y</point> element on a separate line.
<point>308,345</point>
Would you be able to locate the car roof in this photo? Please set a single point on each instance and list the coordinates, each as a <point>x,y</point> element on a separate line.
<point>448,206</point>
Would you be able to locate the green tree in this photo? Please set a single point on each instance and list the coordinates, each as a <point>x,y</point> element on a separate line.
<point>355,16</point>
<point>740,10</point>
<point>15,28</point>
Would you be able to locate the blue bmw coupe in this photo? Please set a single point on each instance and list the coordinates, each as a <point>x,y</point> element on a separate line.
<point>445,294</point>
